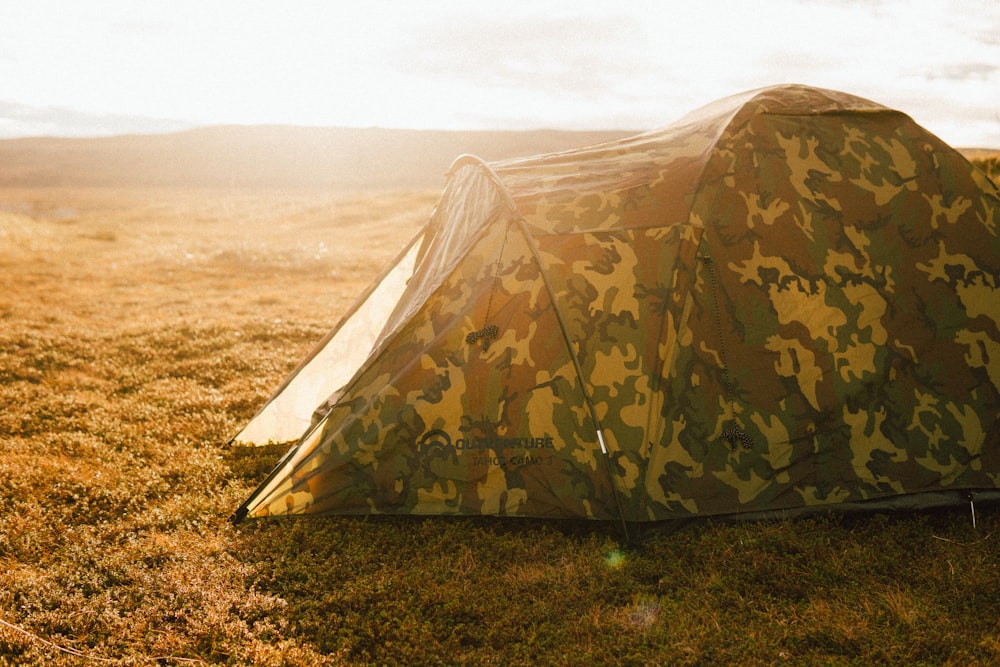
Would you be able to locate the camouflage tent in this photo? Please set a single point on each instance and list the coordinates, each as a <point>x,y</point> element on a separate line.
<point>789,299</point>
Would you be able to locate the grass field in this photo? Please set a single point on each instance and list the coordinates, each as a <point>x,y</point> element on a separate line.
<point>139,329</point>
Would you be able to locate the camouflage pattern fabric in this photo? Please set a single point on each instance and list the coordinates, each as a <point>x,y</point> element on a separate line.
<point>787,299</point>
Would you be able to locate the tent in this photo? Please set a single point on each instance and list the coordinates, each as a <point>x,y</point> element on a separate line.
<point>787,300</point>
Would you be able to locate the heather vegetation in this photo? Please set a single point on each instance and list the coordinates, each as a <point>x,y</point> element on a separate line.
<point>140,328</point>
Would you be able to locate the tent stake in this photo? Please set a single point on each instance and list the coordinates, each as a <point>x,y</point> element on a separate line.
<point>611,479</point>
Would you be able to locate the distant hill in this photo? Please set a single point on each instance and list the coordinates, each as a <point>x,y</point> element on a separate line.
<point>277,156</point>
<point>259,156</point>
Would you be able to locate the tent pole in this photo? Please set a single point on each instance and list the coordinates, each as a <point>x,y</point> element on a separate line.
<point>583,388</point>
<point>562,327</point>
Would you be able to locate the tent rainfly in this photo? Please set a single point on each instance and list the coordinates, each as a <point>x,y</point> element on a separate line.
<point>788,300</point>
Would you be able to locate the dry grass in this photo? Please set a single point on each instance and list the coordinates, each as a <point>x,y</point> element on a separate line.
<point>139,329</point>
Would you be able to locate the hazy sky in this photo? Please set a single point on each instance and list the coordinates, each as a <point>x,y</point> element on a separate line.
<point>87,67</point>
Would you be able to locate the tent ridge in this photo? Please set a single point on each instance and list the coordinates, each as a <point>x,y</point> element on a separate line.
<point>470,159</point>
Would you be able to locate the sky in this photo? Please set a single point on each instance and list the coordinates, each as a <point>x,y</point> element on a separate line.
<point>93,68</point>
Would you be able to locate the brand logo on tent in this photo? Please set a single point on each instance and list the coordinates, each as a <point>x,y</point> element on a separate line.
<point>486,450</point>
<point>434,442</point>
